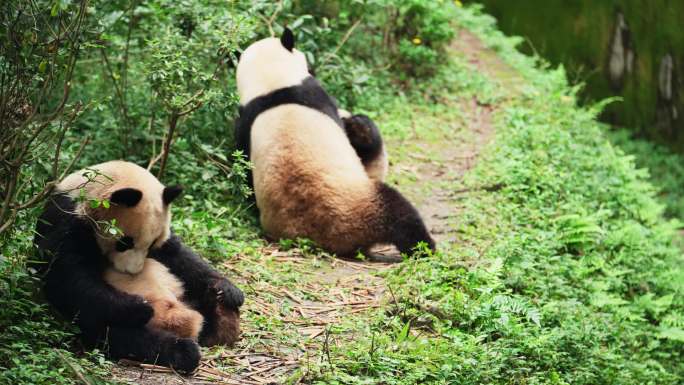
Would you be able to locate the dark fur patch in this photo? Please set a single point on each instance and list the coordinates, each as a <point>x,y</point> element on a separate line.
<point>309,94</point>
<point>364,136</point>
<point>288,39</point>
<point>227,330</point>
<point>124,243</point>
<point>150,346</point>
<point>60,232</point>
<point>171,193</point>
<point>126,197</point>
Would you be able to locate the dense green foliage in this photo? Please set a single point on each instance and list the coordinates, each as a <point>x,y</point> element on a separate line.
<point>666,169</point>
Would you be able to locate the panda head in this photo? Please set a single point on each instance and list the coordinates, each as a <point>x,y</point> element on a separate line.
<point>138,203</point>
<point>270,64</point>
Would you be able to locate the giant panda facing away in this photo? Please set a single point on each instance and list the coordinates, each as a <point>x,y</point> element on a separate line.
<point>309,179</point>
<point>141,295</point>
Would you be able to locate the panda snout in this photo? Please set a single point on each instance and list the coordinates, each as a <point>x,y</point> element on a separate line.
<point>129,262</point>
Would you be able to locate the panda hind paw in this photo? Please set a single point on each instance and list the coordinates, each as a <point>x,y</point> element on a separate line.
<point>228,295</point>
<point>184,355</point>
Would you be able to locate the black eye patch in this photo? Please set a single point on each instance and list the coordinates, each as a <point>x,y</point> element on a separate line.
<point>124,243</point>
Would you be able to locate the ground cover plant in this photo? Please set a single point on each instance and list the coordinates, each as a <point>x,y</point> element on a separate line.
<point>556,263</point>
<point>665,168</point>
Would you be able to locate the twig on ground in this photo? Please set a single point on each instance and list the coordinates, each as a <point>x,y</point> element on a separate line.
<point>326,347</point>
<point>489,188</point>
<point>73,368</point>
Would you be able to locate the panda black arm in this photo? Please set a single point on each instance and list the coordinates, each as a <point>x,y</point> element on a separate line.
<point>242,128</point>
<point>203,285</point>
<point>77,289</point>
<point>73,281</point>
<point>364,136</point>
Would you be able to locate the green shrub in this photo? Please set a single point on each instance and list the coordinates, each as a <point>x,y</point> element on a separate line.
<point>369,46</point>
<point>422,30</point>
<point>665,169</point>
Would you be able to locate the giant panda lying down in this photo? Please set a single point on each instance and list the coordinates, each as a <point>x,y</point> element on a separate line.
<point>144,295</point>
<point>317,173</point>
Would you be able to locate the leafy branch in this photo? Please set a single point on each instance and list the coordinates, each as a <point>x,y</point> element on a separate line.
<point>40,54</point>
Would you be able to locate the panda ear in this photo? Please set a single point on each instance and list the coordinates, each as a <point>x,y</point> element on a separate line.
<point>233,59</point>
<point>126,197</point>
<point>288,39</point>
<point>170,193</point>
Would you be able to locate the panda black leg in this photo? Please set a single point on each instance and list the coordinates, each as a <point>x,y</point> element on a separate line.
<point>207,291</point>
<point>152,346</point>
<point>402,224</point>
<point>204,286</point>
<point>209,328</point>
<point>223,328</point>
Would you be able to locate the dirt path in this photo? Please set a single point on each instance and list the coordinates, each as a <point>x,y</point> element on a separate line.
<point>456,152</point>
<point>296,298</point>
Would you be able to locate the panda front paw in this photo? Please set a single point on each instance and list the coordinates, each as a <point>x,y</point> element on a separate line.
<point>228,295</point>
<point>136,313</point>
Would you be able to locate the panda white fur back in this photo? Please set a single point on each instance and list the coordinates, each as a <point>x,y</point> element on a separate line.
<point>297,144</point>
<point>308,179</point>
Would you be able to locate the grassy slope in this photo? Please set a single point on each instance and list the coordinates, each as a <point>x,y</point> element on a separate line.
<point>567,274</point>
